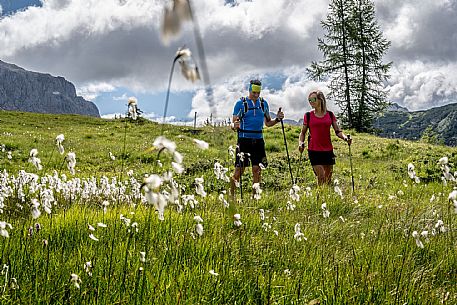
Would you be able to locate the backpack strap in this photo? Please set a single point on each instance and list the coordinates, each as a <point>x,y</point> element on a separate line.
<point>262,105</point>
<point>308,117</point>
<point>246,109</point>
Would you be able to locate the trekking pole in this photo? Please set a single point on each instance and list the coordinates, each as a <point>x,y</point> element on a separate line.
<point>299,165</point>
<point>350,160</point>
<point>287,151</point>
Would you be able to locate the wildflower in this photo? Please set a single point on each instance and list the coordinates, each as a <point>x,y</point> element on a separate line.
<point>453,195</point>
<point>75,280</point>
<point>190,71</point>
<point>111,156</point>
<point>417,239</point>
<point>266,226</point>
<point>262,214</point>
<point>59,139</point>
<point>199,187</point>
<point>37,227</point>
<point>163,143</point>
<point>14,284</point>
<point>290,206</point>
<point>105,205</point>
<point>142,257</point>
<point>34,159</point>
<point>257,191</point>
<point>308,191</point>
<point>199,229</point>
<point>237,222</point>
<point>325,212</point>
<point>189,200</point>
<point>152,182</point>
<point>92,236</point>
<point>432,198</point>
<point>342,219</point>
<point>134,227</point>
<point>35,211</point>
<point>33,152</point>
<point>88,268</point>
<point>412,173</point>
<point>125,220</point>
<point>177,157</point>
<point>213,273</point>
<point>443,161</point>
<point>231,151</point>
<point>101,225</point>
<point>201,144</point>
<point>221,172</point>
<point>3,226</point>
<point>298,236</point>
<point>222,199</point>
<point>440,226</point>
<point>71,162</point>
<point>158,200</point>
<point>293,193</point>
<point>173,17</point>
<point>177,167</point>
<point>132,107</point>
<point>336,187</point>
<point>287,272</point>
<point>9,155</point>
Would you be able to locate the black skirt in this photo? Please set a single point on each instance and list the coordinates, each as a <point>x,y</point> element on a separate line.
<point>321,157</point>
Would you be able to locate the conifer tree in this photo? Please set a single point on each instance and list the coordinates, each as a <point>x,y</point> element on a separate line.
<point>353,48</point>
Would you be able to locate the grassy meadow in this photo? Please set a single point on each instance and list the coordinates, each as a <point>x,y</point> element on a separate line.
<point>95,236</point>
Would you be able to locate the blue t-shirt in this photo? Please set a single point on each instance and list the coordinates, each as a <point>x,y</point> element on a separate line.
<point>252,119</point>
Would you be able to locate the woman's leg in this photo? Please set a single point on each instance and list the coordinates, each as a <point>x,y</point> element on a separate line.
<point>320,173</point>
<point>328,171</point>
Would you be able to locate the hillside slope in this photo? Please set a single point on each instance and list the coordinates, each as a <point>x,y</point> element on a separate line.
<point>440,122</point>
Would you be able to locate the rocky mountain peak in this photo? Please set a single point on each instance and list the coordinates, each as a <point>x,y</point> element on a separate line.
<point>23,90</point>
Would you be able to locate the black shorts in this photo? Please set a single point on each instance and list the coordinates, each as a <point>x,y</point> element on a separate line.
<point>321,157</point>
<point>253,150</point>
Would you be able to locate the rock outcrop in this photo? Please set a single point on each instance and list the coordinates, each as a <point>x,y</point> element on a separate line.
<point>28,91</point>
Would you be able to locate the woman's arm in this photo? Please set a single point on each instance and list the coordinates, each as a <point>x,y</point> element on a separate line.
<point>340,134</point>
<point>301,138</point>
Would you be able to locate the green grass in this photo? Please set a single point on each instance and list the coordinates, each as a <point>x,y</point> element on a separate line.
<point>363,253</point>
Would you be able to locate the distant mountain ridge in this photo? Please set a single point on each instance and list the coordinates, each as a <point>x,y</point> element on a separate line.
<point>23,90</point>
<point>440,122</point>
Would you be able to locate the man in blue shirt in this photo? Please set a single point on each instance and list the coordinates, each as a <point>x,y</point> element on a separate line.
<point>249,115</point>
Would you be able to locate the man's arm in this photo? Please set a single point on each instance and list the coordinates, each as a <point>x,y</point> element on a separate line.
<point>235,122</point>
<point>269,122</point>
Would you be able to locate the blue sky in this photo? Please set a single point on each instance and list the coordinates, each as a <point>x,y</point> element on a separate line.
<point>112,49</point>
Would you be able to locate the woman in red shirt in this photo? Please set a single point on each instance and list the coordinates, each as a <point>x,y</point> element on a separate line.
<point>320,149</point>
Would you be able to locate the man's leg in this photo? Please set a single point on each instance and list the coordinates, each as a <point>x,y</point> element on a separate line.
<point>236,177</point>
<point>256,177</point>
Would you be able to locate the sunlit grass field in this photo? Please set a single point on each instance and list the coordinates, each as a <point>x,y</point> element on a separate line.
<point>95,237</point>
